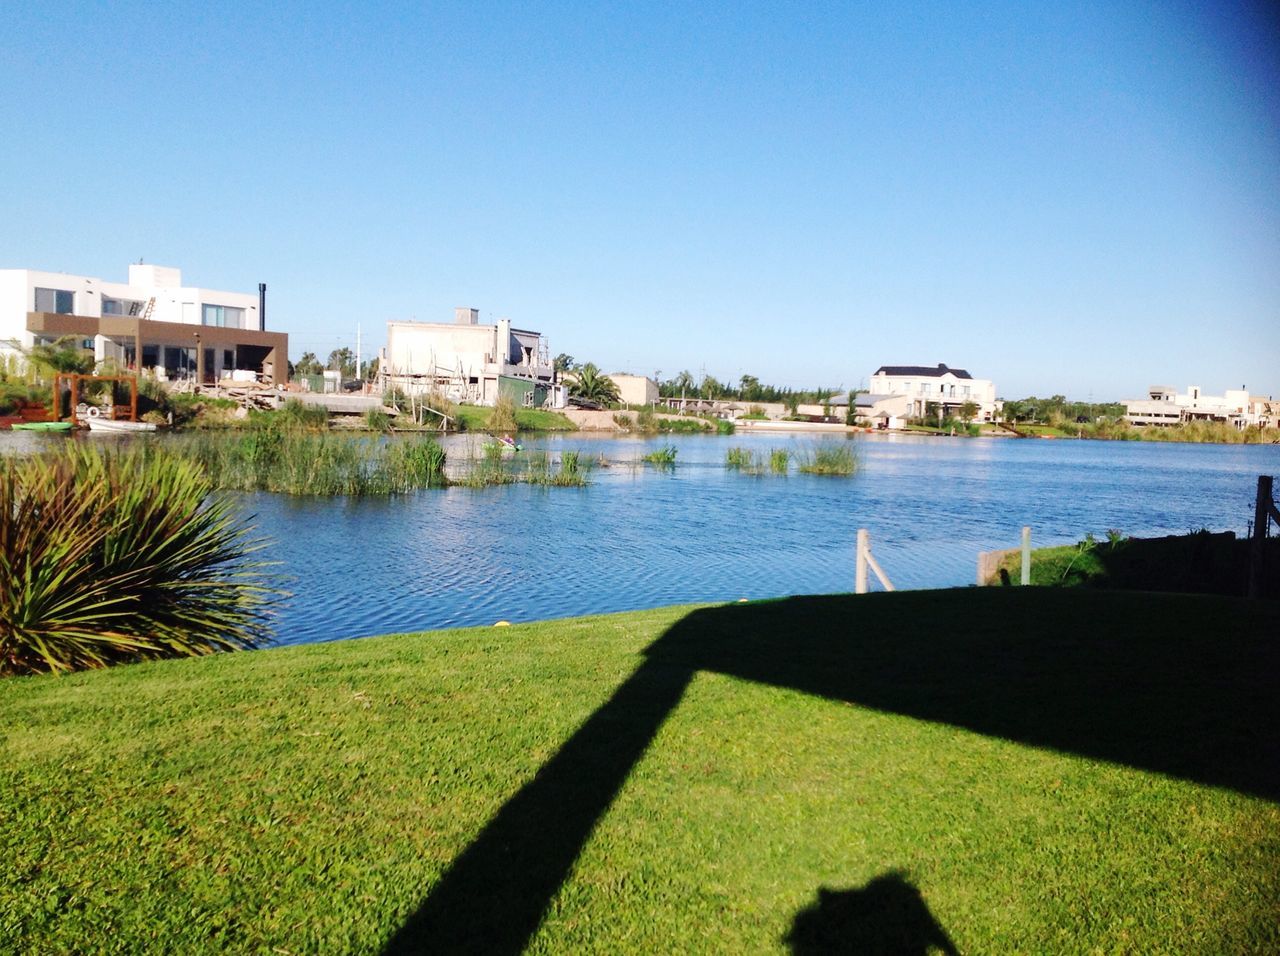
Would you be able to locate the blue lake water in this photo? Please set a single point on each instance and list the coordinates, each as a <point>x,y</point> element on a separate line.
<point>637,537</point>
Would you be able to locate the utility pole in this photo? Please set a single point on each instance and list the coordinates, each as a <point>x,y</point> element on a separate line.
<point>358,375</point>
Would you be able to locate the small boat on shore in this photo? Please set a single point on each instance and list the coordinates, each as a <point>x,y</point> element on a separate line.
<point>108,427</point>
<point>41,427</point>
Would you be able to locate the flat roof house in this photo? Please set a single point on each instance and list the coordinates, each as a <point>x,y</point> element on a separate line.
<point>1165,406</point>
<point>469,362</point>
<point>151,322</point>
<point>926,385</point>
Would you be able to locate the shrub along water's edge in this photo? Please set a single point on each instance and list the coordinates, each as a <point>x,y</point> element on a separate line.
<point>110,555</point>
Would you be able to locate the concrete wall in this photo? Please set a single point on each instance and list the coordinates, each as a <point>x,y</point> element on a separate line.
<point>635,389</point>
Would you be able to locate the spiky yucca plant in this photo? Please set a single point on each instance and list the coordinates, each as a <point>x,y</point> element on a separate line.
<point>109,556</point>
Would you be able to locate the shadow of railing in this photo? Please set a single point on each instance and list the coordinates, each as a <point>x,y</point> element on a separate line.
<point>1092,674</point>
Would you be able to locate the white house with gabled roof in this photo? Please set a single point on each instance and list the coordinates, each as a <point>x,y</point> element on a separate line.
<point>936,385</point>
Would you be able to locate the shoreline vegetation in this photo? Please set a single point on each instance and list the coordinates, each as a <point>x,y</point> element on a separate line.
<point>185,411</point>
<point>530,786</point>
<point>110,555</point>
<point>1199,562</point>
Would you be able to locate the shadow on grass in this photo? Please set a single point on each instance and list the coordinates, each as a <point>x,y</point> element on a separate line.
<point>1178,685</point>
<point>887,917</point>
<point>1201,562</point>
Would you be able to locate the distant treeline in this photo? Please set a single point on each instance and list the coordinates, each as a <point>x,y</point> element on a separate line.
<point>748,389</point>
<point>1057,409</point>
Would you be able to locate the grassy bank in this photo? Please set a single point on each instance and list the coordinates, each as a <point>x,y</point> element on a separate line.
<point>474,418</point>
<point>1200,562</point>
<point>1035,771</point>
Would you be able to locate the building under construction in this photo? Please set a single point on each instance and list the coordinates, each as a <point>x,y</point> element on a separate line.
<point>469,362</point>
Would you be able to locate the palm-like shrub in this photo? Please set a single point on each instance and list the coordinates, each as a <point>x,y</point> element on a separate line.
<point>119,556</point>
<point>590,383</point>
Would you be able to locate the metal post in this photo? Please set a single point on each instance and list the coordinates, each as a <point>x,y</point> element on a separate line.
<point>860,580</point>
<point>1026,554</point>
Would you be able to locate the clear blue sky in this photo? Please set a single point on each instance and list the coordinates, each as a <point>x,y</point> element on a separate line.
<point>1067,198</point>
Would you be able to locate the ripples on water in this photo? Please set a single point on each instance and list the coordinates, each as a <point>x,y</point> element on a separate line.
<point>638,537</point>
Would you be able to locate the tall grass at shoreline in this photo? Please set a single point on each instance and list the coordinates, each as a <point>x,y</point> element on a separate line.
<point>110,555</point>
<point>298,462</point>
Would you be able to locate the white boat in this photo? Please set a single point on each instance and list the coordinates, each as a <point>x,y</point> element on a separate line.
<point>108,426</point>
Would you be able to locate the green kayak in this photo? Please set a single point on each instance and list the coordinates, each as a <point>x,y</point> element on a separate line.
<point>42,427</point>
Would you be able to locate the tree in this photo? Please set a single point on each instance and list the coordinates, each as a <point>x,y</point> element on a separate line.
<point>592,384</point>
<point>344,360</point>
<point>683,384</point>
<point>968,412</point>
<point>564,363</point>
<point>62,355</point>
<point>749,389</point>
<point>308,364</point>
<point>710,387</point>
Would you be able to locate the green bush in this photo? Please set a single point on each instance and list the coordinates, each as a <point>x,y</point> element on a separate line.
<point>829,459</point>
<point>503,417</point>
<point>376,420</point>
<point>110,556</point>
<point>664,457</point>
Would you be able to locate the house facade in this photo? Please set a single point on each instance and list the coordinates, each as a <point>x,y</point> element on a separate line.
<point>635,389</point>
<point>925,385</point>
<point>470,362</point>
<point>152,322</point>
<point>882,411</point>
<point>1236,407</point>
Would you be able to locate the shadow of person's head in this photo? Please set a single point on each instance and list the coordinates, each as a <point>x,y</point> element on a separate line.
<point>887,916</point>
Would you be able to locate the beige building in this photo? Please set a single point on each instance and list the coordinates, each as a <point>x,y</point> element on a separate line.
<point>470,362</point>
<point>635,389</point>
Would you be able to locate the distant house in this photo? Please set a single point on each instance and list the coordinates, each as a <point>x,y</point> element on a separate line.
<point>470,362</point>
<point>927,386</point>
<point>1165,406</point>
<point>151,322</point>
<point>882,411</point>
<point>635,389</point>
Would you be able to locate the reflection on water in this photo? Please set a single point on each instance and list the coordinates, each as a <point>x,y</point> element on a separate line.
<point>639,537</point>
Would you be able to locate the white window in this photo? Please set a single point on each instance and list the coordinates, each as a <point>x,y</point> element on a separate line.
<point>223,316</point>
<point>58,301</point>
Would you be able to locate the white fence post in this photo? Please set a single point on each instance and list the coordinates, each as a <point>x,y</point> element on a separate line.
<point>867,560</point>
<point>1026,554</point>
<point>860,579</point>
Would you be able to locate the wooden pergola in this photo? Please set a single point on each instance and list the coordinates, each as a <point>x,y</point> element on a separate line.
<point>75,378</point>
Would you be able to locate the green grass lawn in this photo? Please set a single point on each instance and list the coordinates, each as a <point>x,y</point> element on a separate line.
<point>476,418</point>
<point>1024,770</point>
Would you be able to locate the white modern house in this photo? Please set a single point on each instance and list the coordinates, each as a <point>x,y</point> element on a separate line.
<point>1236,407</point>
<point>150,322</point>
<point>926,385</point>
<point>470,362</point>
